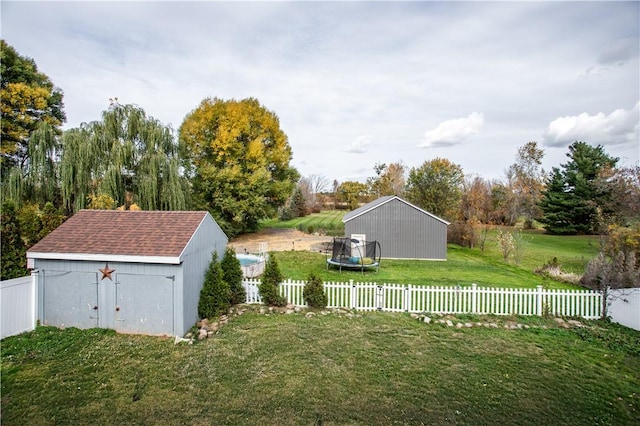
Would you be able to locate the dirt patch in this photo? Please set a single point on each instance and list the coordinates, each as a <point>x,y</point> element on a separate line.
<point>279,239</point>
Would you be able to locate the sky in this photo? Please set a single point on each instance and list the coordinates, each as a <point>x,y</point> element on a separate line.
<point>355,84</point>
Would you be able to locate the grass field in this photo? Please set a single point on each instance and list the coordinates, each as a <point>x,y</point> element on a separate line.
<point>327,222</point>
<point>463,266</point>
<point>364,369</point>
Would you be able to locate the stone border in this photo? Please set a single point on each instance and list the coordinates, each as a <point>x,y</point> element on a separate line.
<point>207,328</point>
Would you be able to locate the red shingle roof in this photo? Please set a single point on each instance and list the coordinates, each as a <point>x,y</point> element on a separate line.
<point>128,233</point>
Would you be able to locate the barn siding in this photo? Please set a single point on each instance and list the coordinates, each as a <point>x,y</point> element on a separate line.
<point>403,231</point>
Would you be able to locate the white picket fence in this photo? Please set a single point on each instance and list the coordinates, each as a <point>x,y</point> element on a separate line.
<point>444,300</point>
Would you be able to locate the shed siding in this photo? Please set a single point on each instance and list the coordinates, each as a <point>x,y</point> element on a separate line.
<point>403,231</point>
<point>64,287</point>
<point>196,258</point>
<point>141,297</point>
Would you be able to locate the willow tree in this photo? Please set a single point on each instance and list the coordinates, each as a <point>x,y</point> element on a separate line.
<point>37,180</point>
<point>238,161</point>
<point>128,156</point>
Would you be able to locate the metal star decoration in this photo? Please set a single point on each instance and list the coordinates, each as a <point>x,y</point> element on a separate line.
<point>106,272</point>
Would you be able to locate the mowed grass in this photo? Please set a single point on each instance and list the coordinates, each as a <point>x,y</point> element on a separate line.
<point>328,222</point>
<point>356,369</point>
<point>463,266</point>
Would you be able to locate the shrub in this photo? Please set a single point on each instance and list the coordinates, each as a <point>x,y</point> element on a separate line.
<point>313,293</point>
<point>463,234</point>
<point>214,296</point>
<point>232,274</point>
<point>13,248</point>
<point>271,279</point>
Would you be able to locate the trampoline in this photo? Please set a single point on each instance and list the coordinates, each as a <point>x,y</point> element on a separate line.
<point>350,253</point>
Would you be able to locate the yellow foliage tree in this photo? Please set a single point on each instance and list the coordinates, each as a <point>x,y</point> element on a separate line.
<point>238,161</point>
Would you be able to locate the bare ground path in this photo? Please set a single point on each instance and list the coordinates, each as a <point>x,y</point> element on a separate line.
<point>279,239</point>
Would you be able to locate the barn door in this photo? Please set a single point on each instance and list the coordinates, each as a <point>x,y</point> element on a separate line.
<point>144,304</point>
<point>70,299</point>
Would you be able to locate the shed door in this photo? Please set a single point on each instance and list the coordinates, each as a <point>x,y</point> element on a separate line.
<point>70,299</point>
<point>144,304</point>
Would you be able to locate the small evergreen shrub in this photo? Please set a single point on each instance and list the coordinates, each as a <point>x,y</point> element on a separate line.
<point>232,274</point>
<point>13,250</point>
<point>313,293</point>
<point>215,293</point>
<point>271,279</point>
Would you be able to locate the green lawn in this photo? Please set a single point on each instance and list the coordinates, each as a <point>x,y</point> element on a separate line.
<point>328,222</point>
<point>357,369</point>
<point>463,266</point>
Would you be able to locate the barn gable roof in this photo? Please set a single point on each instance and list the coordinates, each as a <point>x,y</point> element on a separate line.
<point>381,201</point>
<point>113,235</point>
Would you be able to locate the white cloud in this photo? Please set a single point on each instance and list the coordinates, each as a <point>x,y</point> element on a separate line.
<point>454,131</point>
<point>334,70</point>
<point>619,127</point>
<point>360,145</point>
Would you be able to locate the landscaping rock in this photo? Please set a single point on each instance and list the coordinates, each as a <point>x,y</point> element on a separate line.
<point>202,334</point>
<point>426,320</point>
<point>310,315</point>
<point>575,323</point>
<point>449,323</point>
<point>179,339</point>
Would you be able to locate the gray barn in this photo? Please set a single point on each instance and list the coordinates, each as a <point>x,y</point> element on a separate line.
<point>132,271</point>
<point>403,230</point>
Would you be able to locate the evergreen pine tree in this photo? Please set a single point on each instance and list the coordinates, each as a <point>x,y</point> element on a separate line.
<point>572,202</point>
<point>214,296</point>
<point>271,280</point>
<point>313,293</point>
<point>232,274</point>
<point>14,260</point>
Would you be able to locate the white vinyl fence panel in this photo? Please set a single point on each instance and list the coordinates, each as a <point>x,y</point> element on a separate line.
<point>17,301</point>
<point>624,307</point>
<point>444,300</point>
